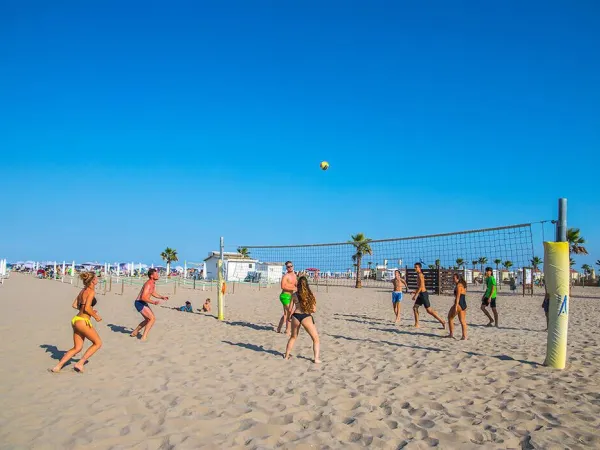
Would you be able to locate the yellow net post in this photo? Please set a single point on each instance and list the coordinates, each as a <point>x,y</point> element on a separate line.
<point>220,284</point>
<point>556,276</point>
<point>220,289</point>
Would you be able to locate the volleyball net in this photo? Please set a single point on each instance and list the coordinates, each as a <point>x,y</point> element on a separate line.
<point>506,249</point>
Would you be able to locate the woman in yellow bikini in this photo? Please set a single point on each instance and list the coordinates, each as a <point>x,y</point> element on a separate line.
<point>82,325</point>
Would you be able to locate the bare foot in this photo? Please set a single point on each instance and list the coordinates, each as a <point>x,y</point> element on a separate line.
<point>133,334</point>
<point>144,338</point>
<point>54,370</point>
<point>78,368</point>
<point>416,325</point>
<point>443,325</point>
<point>286,357</point>
<point>449,336</point>
<point>491,324</point>
<point>317,361</point>
<point>464,338</point>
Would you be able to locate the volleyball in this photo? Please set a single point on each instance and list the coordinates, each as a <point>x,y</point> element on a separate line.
<point>324,165</point>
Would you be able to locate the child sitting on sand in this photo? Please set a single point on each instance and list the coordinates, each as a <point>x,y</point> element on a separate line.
<point>187,307</point>
<point>206,306</point>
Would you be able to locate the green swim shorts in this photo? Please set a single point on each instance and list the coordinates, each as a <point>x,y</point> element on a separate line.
<point>285,298</point>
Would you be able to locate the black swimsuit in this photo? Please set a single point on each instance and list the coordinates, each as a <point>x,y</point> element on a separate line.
<point>94,301</point>
<point>300,317</point>
<point>462,301</point>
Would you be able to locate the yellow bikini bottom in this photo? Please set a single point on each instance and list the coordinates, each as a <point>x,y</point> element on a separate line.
<point>77,318</point>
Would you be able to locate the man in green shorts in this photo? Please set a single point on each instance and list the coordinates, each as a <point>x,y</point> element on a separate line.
<point>489,298</point>
<point>289,284</point>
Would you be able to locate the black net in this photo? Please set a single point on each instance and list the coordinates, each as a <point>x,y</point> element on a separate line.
<point>505,248</point>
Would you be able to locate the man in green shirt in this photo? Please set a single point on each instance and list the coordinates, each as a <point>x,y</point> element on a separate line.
<point>489,298</point>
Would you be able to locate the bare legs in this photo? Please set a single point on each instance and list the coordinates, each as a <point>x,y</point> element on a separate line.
<point>397,311</point>
<point>484,309</point>
<point>311,329</point>
<point>146,324</point>
<point>431,312</point>
<point>80,332</point>
<point>462,317</point>
<point>286,317</point>
<point>495,311</point>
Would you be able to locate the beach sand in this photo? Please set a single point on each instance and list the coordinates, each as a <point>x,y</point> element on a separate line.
<point>201,383</point>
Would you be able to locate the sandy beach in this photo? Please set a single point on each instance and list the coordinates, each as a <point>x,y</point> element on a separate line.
<point>201,383</point>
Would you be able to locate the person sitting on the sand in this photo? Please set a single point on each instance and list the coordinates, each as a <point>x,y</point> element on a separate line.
<point>206,307</point>
<point>187,307</point>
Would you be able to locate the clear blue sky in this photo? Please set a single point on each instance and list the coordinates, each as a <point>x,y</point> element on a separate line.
<point>126,127</point>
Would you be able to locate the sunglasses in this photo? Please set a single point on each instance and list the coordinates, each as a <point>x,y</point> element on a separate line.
<point>289,267</point>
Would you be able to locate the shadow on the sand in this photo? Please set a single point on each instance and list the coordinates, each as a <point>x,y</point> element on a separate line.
<point>55,353</point>
<point>364,322</point>
<point>360,316</point>
<point>254,347</point>
<point>119,328</point>
<point>251,325</point>
<point>505,358</point>
<point>411,333</point>
<point>434,349</point>
<point>476,325</point>
<point>373,341</point>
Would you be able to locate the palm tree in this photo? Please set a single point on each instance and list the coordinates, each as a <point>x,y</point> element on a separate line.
<point>438,262</point>
<point>497,261</point>
<point>598,263</point>
<point>244,252</point>
<point>587,269</point>
<point>536,262</point>
<point>474,264</point>
<point>507,264</point>
<point>460,262</point>
<point>571,262</point>
<point>363,247</point>
<point>482,260</point>
<point>576,242</point>
<point>169,255</point>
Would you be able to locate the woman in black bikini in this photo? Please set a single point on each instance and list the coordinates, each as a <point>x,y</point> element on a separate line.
<point>82,325</point>
<point>305,306</point>
<point>460,306</point>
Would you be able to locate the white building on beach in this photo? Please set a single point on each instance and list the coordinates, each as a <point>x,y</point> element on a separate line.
<point>237,267</point>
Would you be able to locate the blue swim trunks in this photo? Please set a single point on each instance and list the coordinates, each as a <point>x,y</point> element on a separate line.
<point>396,297</point>
<point>139,305</point>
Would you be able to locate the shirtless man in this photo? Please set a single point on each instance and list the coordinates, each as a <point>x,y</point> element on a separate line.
<point>421,297</point>
<point>399,285</point>
<point>289,285</point>
<point>141,304</point>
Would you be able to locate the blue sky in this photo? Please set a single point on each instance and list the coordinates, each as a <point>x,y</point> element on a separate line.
<point>126,127</point>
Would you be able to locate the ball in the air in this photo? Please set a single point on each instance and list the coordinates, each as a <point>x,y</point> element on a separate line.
<point>324,165</point>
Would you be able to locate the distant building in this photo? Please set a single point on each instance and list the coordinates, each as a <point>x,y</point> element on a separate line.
<point>237,268</point>
<point>270,272</point>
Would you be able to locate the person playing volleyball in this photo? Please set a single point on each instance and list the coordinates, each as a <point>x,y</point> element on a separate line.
<point>301,311</point>
<point>459,308</point>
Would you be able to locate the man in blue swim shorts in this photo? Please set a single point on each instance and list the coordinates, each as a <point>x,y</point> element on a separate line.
<point>399,286</point>
<point>141,304</point>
